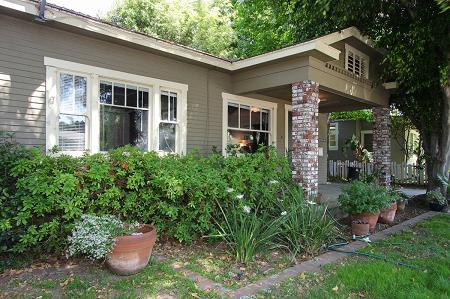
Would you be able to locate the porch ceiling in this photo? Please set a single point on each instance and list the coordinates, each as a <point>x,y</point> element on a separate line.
<point>329,101</point>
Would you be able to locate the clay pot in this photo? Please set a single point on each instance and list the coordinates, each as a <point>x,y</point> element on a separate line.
<point>360,228</point>
<point>387,215</point>
<point>401,205</point>
<point>132,253</point>
<point>371,218</point>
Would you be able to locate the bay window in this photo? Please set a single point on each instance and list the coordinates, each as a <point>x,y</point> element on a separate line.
<point>248,123</point>
<point>95,109</point>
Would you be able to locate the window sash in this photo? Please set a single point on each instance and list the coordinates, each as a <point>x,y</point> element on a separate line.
<point>333,135</point>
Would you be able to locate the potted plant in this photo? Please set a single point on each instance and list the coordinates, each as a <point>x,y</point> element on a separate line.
<point>436,200</point>
<point>360,227</point>
<point>359,152</point>
<point>387,215</point>
<point>363,201</point>
<point>125,247</point>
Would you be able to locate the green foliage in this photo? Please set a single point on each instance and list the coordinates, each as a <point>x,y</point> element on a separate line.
<point>364,114</point>
<point>203,25</point>
<point>177,194</point>
<point>361,154</point>
<point>95,236</point>
<point>247,232</point>
<point>306,227</point>
<point>435,196</point>
<point>360,197</point>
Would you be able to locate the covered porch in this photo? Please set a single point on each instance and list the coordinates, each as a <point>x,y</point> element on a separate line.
<point>306,88</point>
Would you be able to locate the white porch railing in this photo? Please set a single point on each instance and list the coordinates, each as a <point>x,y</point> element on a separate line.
<point>402,173</point>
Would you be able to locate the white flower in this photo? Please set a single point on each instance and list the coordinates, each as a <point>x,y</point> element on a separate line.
<point>273,182</point>
<point>284,213</point>
<point>310,202</point>
<point>229,190</point>
<point>246,209</point>
<point>126,154</point>
<point>240,196</point>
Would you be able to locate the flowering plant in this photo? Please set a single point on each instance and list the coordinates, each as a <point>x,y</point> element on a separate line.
<point>95,236</point>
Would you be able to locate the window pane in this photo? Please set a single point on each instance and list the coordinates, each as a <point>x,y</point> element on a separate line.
<point>164,106</point>
<point>121,126</point>
<point>80,94</point>
<point>265,120</point>
<point>105,92</point>
<point>143,97</point>
<point>368,142</point>
<point>256,118</point>
<point>248,141</point>
<point>233,115</point>
<point>131,96</point>
<point>119,94</point>
<point>245,117</point>
<point>173,106</point>
<point>167,136</point>
<point>66,93</point>
<point>72,132</point>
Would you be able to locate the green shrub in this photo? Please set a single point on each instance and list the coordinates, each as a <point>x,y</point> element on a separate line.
<point>359,197</point>
<point>177,194</point>
<point>435,196</point>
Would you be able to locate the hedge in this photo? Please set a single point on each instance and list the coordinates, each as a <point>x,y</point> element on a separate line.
<point>42,196</point>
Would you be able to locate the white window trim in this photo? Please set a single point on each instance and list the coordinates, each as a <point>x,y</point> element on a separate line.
<point>228,97</point>
<point>361,54</point>
<point>362,133</point>
<point>335,147</point>
<point>287,108</point>
<point>93,73</point>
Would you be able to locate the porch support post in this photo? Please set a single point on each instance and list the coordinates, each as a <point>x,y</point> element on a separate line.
<point>305,135</point>
<point>382,144</point>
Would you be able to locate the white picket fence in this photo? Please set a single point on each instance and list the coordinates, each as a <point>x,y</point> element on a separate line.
<point>402,173</point>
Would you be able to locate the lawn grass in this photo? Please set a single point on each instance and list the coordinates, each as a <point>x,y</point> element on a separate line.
<point>157,279</point>
<point>425,246</point>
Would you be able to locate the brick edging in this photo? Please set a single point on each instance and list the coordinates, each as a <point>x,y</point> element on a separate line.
<point>315,265</point>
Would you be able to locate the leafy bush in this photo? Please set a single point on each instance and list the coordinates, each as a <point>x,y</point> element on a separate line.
<point>177,194</point>
<point>306,227</point>
<point>95,236</point>
<point>435,196</point>
<point>247,232</point>
<point>360,197</point>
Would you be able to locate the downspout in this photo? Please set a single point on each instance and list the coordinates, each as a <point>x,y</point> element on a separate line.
<point>41,17</point>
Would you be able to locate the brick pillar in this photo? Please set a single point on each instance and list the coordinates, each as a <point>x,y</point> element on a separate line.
<point>382,144</point>
<point>305,134</point>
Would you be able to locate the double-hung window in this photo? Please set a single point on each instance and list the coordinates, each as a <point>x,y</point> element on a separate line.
<point>248,123</point>
<point>92,109</point>
<point>356,62</point>
<point>333,136</point>
<point>72,112</point>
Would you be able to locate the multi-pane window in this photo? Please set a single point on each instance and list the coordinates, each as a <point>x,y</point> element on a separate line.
<point>356,62</point>
<point>248,126</point>
<point>333,137</point>
<point>168,121</point>
<point>124,110</point>
<point>72,112</point>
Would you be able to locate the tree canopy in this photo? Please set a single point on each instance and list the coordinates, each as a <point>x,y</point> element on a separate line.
<point>203,25</point>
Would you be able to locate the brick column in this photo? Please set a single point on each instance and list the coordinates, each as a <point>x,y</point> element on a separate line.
<point>382,144</point>
<point>305,134</point>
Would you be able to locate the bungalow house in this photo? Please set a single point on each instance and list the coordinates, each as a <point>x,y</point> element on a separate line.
<point>73,81</point>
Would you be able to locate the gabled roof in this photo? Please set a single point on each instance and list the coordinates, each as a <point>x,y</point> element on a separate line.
<point>319,47</point>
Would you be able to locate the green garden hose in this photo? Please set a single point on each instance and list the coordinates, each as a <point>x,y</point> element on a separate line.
<point>335,247</point>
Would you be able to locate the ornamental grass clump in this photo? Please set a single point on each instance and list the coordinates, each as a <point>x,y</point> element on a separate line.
<point>95,236</point>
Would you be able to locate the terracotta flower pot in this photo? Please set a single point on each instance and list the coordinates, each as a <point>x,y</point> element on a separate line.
<point>371,218</point>
<point>360,228</point>
<point>132,253</point>
<point>387,215</point>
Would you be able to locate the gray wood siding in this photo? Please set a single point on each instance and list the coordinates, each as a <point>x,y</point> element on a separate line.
<point>24,44</point>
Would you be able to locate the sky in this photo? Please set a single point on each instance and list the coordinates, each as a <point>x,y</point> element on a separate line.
<point>90,7</point>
